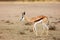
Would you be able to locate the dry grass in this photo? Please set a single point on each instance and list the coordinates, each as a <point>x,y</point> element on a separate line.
<point>12,29</point>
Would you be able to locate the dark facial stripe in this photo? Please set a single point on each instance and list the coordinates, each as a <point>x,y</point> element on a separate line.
<point>38,20</point>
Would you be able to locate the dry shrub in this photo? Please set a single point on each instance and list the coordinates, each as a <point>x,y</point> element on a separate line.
<point>31,30</point>
<point>58,38</point>
<point>26,29</point>
<point>2,20</point>
<point>51,17</point>
<point>29,23</point>
<point>54,38</point>
<point>52,27</point>
<point>58,21</point>
<point>22,33</point>
<point>1,32</point>
<point>11,23</point>
<point>7,21</point>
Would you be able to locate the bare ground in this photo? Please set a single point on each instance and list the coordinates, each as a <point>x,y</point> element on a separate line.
<point>12,29</point>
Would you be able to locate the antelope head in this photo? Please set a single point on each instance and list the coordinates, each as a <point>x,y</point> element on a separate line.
<point>23,15</point>
<point>25,19</point>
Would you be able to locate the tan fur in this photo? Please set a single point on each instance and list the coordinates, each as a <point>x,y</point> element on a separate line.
<point>33,19</point>
<point>36,18</point>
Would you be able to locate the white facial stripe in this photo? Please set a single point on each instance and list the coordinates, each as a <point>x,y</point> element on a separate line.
<point>23,19</point>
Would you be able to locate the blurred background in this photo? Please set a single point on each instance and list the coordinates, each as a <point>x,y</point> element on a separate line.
<point>30,0</point>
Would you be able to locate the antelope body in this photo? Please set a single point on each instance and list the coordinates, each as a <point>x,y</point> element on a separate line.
<point>35,20</point>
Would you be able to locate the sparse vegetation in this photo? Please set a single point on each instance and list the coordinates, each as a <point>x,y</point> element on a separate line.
<point>31,30</point>
<point>12,29</point>
<point>2,20</point>
<point>22,33</point>
<point>7,21</point>
<point>52,27</point>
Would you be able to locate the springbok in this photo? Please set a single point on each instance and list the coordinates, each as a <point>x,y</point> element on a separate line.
<point>35,20</point>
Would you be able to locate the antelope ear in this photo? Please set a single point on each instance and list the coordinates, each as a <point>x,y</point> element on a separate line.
<point>23,13</point>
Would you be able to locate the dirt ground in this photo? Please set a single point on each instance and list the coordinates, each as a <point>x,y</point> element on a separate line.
<point>12,29</point>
